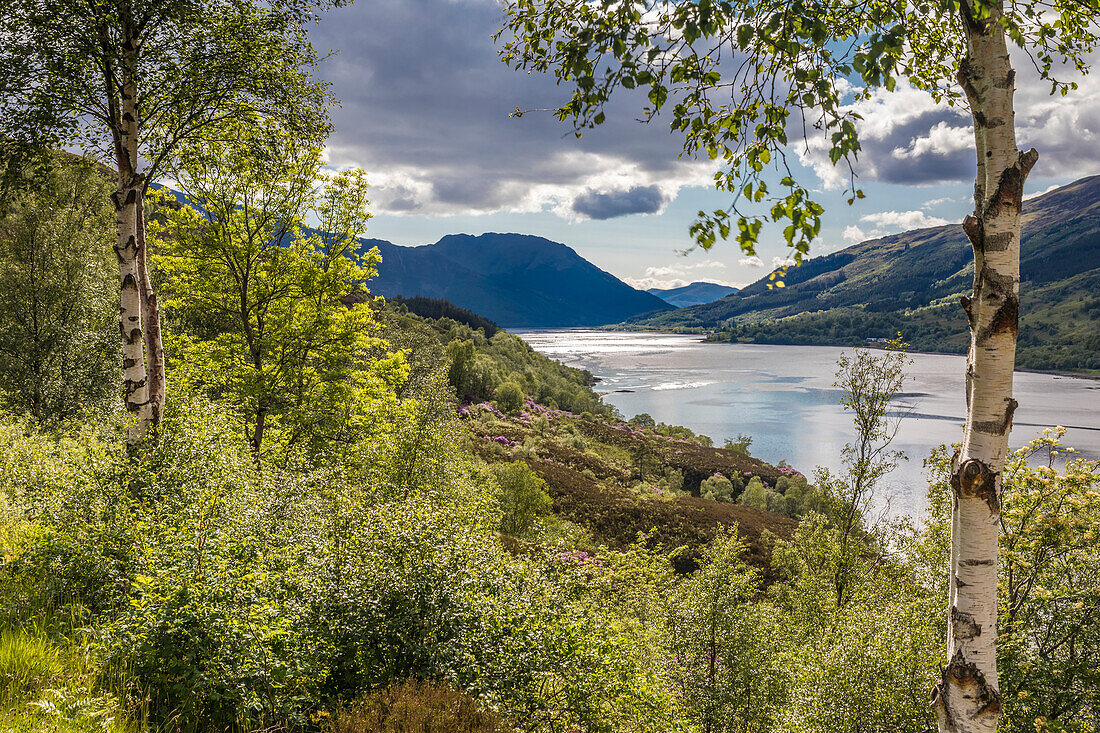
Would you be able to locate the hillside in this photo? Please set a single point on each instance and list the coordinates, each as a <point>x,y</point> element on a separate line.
<point>695,293</point>
<point>911,283</point>
<point>611,477</point>
<point>515,280</point>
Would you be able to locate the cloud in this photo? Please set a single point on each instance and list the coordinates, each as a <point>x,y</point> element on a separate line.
<point>610,204</point>
<point>426,109</point>
<point>933,203</point>
<point>752,261</point>
<point>903,220</point>
<point>778,262</point>
<point>1037,194</point>
<point>677,275</point>
<point>853,234</point>
<point>645,283</point>
<point>942,139</point>
<point>908,138</point>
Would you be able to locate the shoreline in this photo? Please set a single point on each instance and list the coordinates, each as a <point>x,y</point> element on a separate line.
<point>1028,370</point>
<point>703,339</point>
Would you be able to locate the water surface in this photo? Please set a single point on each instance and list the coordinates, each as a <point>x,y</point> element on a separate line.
<point>783,396</point>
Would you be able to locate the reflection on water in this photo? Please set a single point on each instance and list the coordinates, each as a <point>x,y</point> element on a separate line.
<point>783,396</point>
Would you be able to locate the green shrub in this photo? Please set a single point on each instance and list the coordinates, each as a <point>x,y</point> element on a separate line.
<point>759,496</point>
<point>523,497</point>
<point>509,397</point>
<point>718,488</point>
<point>721,644</point>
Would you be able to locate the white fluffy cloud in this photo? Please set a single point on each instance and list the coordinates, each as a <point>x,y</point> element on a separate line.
<point>942,139</point>
<point>909,139</point>
<point>890,222</point>
<point>903,220</point>
<point>853,234</point>
<point>678,275</point>
<point>752,261</point>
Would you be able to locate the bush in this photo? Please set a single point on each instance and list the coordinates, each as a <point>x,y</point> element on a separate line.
<point>718,488</point>
<point>759,496</point>
<point>224,598</point>
<point>523,497</point>
<point>509,398</point>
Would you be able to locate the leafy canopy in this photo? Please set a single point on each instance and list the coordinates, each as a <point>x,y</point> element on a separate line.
<point>267,315</point>
<point>196,64</point>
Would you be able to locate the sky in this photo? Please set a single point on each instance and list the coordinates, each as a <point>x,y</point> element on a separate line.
<point>425,109</point>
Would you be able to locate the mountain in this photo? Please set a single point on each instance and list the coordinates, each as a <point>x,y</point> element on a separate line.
<point>516,280</point>
<point>694,294</point>
<point>911,283</point>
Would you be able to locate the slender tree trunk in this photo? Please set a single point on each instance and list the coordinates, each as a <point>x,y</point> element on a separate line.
<point>129,215</point>
<point>139,315</point>
<point>257,437</point>
<point>967,698</point>
<point>150,316</point>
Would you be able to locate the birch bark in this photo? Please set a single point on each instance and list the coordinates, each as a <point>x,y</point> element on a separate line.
<point>967,697</point>
<point>139,317</point>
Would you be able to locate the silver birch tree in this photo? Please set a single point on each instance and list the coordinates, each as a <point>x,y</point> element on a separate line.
<point>739,77</point>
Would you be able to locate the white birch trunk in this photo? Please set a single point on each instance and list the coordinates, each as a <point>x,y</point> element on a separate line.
<point>129,249</point>
<point>967,698</point>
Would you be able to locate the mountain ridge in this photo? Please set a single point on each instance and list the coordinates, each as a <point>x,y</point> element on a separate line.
<point>911,282</point>
<point>516,280</point>
<point>696,293</point>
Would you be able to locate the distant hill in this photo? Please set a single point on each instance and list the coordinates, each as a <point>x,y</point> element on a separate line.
<point>911,283</point>
<point>515,280</point>
<point>694,294</point>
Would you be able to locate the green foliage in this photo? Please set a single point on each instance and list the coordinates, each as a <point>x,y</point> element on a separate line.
<point>257,303</point>
<point>225,597</point>
<point>479,364</point>
<point>523,497</point>
<point>27,664</point>
<point>740,444</point>
<point>720,488</point>
<point>757,495</point>
<point>721,643</point>
<point>58,329</point>
<point>863,662</point>
<point>1050,592</point>
<point>195,64</point>
<point>508,397</point>
<point>435,309</point>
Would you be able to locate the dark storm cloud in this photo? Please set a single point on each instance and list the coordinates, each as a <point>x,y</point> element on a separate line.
<point>426,109</point>
<point>424,96</point>
<point>608,205</point>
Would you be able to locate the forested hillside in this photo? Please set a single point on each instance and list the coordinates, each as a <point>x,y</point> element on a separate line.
<point>353,516</point>
<point>912,283</point>
<point>260,473</point>
<point>692,294</point>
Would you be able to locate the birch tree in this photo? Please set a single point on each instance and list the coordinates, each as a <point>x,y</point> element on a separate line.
<point>739,79</point>
<point>128,82</point>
